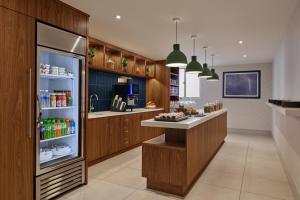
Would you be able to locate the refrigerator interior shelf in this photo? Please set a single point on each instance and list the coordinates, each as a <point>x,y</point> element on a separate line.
<point>57,108</point>
<point>56,157</point>
<point>53,76</point>
<point>56,138</point>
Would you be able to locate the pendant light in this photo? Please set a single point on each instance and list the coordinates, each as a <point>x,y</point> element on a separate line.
<point>206,73</point>
<point>215,76</point>
<point>176,58</point>
<point>194,66</point>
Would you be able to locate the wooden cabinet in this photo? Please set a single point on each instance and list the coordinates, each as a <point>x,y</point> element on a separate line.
<point>108,135</point>
<point>17,63</point>
<point>97,136</point>
<point>62,15</point>
<point>26,7</point>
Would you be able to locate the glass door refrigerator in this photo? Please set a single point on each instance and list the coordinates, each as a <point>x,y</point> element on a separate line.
<point>60,91</point>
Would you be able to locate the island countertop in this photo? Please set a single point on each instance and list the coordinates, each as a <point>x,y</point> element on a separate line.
<point>185,124</point>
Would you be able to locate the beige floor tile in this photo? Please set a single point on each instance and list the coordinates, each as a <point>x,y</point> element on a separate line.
<point>122,159</point>
<point>136,164</point>
<point>250,196</point>
<point>267,187</point>
<point>227,164</point>
<point>222,179</point>
<point>263,170</point>
<point>102,170</point>
<point>100,190</point>
<point>128,177</point>
<point>203,191</point>
<point>147,195</point>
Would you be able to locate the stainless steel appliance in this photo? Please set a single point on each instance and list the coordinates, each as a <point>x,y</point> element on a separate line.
<point>128,92</point>
<point>60,91</point>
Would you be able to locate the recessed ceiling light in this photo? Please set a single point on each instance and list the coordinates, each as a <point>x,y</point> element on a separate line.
<point>245,56</point>
<point>241,42</point>
<point>118,16</point>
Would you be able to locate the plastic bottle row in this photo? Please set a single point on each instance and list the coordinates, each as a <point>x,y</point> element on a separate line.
<point>55,99</point>
<point>52,128</point>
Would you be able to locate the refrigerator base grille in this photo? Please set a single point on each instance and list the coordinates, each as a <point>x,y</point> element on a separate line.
<point>59,181</point>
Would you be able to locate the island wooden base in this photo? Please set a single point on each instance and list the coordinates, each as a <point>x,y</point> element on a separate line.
<point>174,161</point>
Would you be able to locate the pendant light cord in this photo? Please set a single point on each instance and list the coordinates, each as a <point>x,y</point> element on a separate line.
<point>176,31</point>
<point>205,53</point>
<point>194,41</point>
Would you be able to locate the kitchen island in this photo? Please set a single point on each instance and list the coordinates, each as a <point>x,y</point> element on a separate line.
<point>173,162</point>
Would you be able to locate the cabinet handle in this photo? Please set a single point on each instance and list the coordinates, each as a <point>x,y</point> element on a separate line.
<point>29,104</point>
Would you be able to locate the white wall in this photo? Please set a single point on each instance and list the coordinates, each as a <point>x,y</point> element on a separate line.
<point>286,85</point>
<point>252,114</point>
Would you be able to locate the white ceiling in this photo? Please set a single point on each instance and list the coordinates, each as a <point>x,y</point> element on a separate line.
<point>146,26</point>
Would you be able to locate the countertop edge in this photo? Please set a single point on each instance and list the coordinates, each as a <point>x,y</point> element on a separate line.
<point>182,124</point>
<point>112,114</point>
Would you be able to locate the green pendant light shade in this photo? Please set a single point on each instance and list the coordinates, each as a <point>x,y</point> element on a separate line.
<point>194,66</point>
<point>176,58</point>
<point>215,76</point>
<point>206,73</point>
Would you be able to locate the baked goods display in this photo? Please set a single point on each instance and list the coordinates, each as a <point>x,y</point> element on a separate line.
<point>151,104</point>
<point>171,117</point>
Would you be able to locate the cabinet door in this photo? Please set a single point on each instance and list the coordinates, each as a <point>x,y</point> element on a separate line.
<point>27,7</point>
<point>61,15</point>
<point>17,64</point>
<point>134,129</point>
<point>115,136</point>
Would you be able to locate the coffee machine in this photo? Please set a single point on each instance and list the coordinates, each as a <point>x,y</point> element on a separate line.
<point>125,96</point>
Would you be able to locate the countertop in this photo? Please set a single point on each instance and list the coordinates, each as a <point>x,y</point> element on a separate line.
<point>185,124</point>
<point>110,113</point>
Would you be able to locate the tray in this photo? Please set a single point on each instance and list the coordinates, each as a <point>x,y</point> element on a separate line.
<point>171,120</point>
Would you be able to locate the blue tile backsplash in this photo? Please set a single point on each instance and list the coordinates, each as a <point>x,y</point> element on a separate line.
<point>101,83</point>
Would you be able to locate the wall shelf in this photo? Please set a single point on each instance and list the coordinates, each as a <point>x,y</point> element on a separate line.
<point>295,112</point>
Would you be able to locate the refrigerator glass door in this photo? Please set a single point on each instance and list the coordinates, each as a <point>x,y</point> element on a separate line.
<point>60,86</point>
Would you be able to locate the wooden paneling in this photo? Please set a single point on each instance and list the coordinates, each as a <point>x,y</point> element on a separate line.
<point>159,85</point>
<point>62,15</point>
<point>115,140</point>
<point>26,7</point>
<point>173,163</point>
<point>17,58</point>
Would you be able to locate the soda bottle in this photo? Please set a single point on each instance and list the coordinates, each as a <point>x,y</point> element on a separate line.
<point>42,130</point>
<point>58,128</point>
<point>72,125</point>
<point>68,128</point>
<point>53,128</point>
<point>63,127</point>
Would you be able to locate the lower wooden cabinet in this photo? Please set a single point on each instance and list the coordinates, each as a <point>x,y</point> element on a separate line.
<point>108,135</point>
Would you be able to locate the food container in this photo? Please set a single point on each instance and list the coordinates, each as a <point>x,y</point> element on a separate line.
<point>54,70</point>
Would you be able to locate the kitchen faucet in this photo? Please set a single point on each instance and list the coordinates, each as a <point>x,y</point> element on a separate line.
<point>91,102</point>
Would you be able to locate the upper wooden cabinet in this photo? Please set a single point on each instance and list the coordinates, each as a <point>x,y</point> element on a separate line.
<point>53,12</point>
<point>63,16</point>
<point>17,61</point>
<point>26,7</point>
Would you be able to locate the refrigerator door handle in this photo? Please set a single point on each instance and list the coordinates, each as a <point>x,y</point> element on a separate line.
<point>39,119</point>
<point>29,102</point>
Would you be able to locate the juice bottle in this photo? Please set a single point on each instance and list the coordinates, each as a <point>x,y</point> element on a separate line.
<point>63,100</point>
<point>58,128</point>
<point>53,100</point>
<point>68,128</point>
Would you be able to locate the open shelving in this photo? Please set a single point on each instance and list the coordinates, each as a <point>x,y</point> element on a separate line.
<point>174,84</point>
<point>57,138</point>
<point>108,57</point>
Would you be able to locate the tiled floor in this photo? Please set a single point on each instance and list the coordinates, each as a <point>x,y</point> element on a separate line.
<point>246,168</point>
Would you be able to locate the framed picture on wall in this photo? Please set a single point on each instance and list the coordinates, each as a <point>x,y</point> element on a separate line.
<point>241,84</point>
